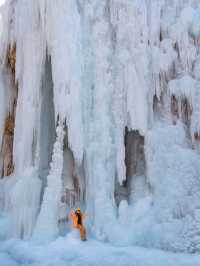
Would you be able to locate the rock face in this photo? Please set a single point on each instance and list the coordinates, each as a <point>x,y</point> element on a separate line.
<point>100,109</point>
<point>9,123</point>
<point>7,147</point>
<point>11,58</point>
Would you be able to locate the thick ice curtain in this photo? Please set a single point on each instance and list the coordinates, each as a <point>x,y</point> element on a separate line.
<point>61,23</point>
<point>100,148</point>
<point>22,28</point>
<point>30,57</point>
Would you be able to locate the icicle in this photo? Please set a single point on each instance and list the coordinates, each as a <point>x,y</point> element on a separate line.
<point>29,65</point>
<point>154,20</point>
<point>183,87</point>
<point>62,27</point>
<point>129,19</point>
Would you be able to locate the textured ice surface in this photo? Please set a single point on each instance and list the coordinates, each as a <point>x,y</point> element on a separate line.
<point>70,251</point>
<point>115,67</point>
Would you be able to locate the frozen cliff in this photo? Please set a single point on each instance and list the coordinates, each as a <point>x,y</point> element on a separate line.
<point>100,108</point>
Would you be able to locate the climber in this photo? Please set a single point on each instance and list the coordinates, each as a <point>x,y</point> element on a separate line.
<point>77,218</point>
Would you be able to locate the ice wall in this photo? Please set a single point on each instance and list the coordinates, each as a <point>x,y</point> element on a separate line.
<point>92,69</point>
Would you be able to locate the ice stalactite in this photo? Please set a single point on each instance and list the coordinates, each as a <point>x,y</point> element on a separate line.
<point>61,24</point>
<point>163,60</point>
<point>182,92</point>
<point>127,74</point>
<point>28,75</point>
<point>178,55</point>
<point>24,204</point>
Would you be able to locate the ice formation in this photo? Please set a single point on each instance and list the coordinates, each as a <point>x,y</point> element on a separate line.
<point>104,102</point>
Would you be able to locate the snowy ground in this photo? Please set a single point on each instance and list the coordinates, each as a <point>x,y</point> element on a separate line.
<point>70,251</point>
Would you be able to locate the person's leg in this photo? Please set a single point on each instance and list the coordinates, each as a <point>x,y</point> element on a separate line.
<point>82,232</point>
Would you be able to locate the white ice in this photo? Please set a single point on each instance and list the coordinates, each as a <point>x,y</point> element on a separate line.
<point>71,252</point>
<point>114,67</point>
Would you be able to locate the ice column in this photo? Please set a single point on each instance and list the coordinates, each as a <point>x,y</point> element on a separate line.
<point>47,223</point>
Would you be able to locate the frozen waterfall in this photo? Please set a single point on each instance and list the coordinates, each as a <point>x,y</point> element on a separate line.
<point>99,108</point>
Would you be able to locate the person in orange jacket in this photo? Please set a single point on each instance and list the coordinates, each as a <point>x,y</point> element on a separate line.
<point>77,219</point>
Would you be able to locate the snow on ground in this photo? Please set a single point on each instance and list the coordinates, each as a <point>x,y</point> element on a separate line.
<point>70,251</point>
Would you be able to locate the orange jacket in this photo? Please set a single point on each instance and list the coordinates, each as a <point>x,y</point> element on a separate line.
<point>75,218</point>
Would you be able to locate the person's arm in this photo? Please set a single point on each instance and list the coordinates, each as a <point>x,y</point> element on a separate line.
<point>71,214</point>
